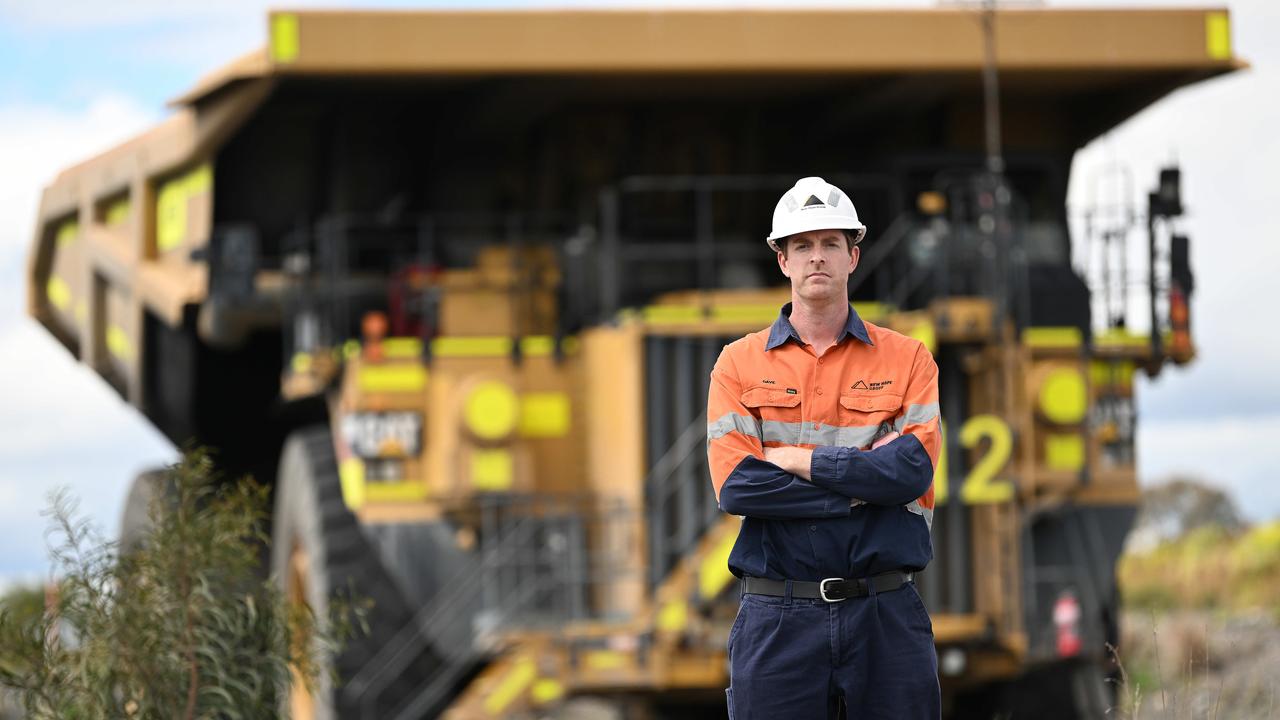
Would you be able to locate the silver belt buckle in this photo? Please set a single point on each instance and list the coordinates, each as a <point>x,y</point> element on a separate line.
<point>822,589</point>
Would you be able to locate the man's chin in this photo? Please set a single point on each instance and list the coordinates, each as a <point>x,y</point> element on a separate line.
<point>828,291</point>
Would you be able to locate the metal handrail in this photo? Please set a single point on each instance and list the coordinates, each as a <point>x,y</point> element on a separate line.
<point>391,660</point>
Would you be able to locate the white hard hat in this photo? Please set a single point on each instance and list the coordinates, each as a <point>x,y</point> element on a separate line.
<point>814,204</point>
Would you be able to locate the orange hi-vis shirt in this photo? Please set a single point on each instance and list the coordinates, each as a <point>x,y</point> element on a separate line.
<point>865,511</point>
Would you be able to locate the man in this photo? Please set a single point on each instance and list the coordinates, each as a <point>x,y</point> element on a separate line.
<point>823,433</point>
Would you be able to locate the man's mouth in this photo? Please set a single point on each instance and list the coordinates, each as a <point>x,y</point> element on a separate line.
<point>819,274</point>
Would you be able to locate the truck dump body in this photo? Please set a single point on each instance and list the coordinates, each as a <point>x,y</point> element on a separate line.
<point>574,203</point>
<point>530,111</point>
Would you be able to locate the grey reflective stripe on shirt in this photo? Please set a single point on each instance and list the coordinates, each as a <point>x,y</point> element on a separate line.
<point>915,415</point>
<point>729,422</point>
<point>791,433</point>
<point>927,513</point>
<point>808,433</point>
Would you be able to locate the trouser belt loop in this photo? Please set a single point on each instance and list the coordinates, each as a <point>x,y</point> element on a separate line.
<point>787,592</point>
<point>871,586</point>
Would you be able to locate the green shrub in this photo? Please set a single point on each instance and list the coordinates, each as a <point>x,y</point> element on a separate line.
<point>185,626</point>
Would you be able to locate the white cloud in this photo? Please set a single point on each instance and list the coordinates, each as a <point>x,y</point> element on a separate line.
<point>1233,453</point>
<point>38,141</point>
<point>60,425</point>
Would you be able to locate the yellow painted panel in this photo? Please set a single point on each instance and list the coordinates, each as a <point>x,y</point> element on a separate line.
<point>1122,338</point>
<point>1106,373</point>
<point>713,574</point>
<point>544,414</point>
<point>59,292</point>
<point>171,217</point>
<point>754,314</point>
<point>924,332</point>
<point>604,660</point>
<point>870,310</point>
<point>119,344</point>
<point>391,378</point>
<point>398,491</point>
<point>402,347</point>
<point>471,347</point>
<point>522,674</point>
<point>171,205</point>
<point>546,691</point>
<point>492,410</point>
<point>1053,337</point>
<point>351,475</point>
<point>284,38</point>
<point>1064,452</point>
<point>68,232</point>
<point>492,470</point>
<point>199,180</point>
<point>673,314</point>
<point>1062,396</point>
<point>1217,35</point>
<point>117,212</point>
<point>674,616</point>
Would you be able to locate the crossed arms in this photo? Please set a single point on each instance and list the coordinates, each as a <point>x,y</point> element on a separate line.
<point>792,482</point>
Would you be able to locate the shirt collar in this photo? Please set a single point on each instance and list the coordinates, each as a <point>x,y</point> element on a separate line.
<point>782,329</point>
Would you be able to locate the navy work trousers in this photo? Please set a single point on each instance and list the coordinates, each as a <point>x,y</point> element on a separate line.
<point>800,658</point>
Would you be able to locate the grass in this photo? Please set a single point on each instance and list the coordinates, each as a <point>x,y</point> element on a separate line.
<point>1201,627</point>
<point>1208,569</point>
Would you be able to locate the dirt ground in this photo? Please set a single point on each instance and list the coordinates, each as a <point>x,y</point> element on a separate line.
<point>1198,665</point>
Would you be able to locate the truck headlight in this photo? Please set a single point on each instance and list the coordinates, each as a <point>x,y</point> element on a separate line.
<point>373,435</point>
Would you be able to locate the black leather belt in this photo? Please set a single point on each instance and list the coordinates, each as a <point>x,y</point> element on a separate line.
<point>830,589</point>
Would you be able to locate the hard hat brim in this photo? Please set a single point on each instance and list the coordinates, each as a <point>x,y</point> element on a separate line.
<point>835,224</point>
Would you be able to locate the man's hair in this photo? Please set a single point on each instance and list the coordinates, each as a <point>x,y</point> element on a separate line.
<point>849,237</point>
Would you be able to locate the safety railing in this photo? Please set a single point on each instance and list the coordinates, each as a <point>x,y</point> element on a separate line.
<point>541,559</point>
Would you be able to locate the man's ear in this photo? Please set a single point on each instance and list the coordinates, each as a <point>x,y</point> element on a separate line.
<point>854,256</point>
<point>782,263</point>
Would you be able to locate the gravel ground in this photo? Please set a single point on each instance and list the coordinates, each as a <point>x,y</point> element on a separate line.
<point>1198,665</point>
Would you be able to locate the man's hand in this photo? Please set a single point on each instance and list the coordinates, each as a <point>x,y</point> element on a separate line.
<point>794,460</point>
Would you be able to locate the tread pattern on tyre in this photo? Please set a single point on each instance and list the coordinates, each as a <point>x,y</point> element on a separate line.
<point>310,510</point>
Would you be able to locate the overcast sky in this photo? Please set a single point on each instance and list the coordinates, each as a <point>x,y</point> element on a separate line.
<point>77,76</point>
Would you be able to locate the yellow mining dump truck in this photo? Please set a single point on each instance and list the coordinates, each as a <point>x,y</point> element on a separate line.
<point>453,282</point>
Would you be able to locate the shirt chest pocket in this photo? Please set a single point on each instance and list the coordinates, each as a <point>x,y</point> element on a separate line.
<point>868,415</point>
<point>772,404</point>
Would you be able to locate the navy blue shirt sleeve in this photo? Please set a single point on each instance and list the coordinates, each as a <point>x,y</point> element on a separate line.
<point>894,474</point>
<point>760,489</point>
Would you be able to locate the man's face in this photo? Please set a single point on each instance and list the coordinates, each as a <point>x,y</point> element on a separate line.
<point>818,263</point>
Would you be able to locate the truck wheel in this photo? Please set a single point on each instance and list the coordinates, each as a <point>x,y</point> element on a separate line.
<point>135,520</point>
<point>317,549</point>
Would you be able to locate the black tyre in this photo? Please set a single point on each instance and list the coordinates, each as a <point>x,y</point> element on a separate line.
<point>318,549</point>
<point>135,519</point>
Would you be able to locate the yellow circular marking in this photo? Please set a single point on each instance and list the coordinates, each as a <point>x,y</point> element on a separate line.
<point>1062,396</point>
<point>492,410</point>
